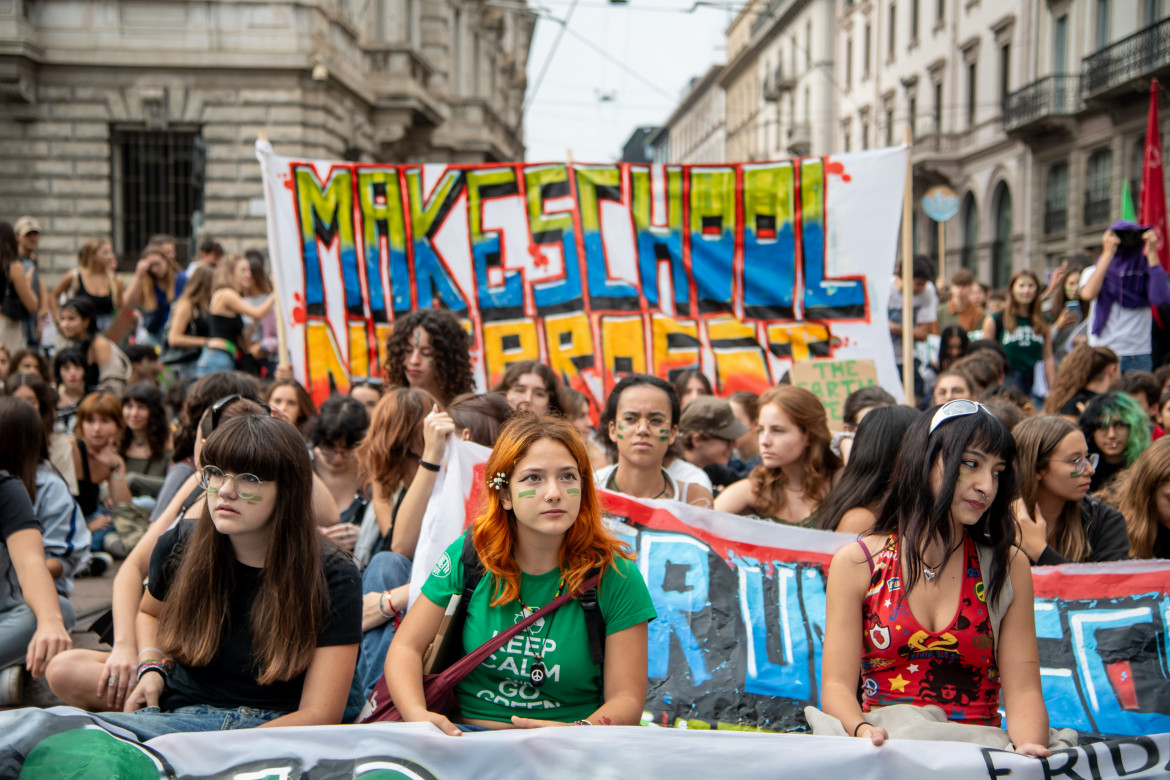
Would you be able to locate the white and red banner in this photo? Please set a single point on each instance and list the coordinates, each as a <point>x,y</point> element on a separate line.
<point>596,270</point>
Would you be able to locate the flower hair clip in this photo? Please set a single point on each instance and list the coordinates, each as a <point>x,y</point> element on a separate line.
<point>499,481</point>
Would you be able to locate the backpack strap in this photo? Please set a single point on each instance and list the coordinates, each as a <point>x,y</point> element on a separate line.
<point>473,569</point>
<point>594,620</point>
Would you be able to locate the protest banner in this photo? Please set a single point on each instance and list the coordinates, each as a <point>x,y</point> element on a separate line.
<point>596,270</point>
<point>48,745</point>
<point>832,381</point>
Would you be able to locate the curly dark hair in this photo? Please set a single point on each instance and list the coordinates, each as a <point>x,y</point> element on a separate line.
<point>452,351</point>
<point>157,424</point>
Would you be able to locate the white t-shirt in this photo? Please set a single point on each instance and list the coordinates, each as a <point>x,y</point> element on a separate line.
<point>1126,331</point>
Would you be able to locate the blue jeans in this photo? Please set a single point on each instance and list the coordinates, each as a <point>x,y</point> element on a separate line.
<point>150,722</point>
<point>1136,363</point>
<point>386,570</point>
<point>17,626</point>
<point>212,361</point>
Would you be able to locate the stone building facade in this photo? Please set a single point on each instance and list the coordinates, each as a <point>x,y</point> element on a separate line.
<point>695,128</point>
<point>126,118</point>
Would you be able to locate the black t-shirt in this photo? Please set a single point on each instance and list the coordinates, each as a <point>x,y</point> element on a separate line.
<point>229,680</point>
<point>16,514</point>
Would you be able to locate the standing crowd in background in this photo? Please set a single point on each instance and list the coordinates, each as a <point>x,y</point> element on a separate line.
<point>151,420</point>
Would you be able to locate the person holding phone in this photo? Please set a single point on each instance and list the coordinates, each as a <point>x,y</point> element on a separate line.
<point>1126,281</point>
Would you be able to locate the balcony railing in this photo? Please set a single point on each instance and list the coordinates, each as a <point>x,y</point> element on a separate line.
<point>1055,220</point>
<point>1126,61</point>
<point>1051,96</point>
<point>1097,212</point>
<point>941,143</point>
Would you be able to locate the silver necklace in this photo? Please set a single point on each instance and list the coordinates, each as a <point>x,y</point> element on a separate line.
<point>931,572</point>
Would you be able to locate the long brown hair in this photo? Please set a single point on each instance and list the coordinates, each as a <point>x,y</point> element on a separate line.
<point>587,544</point>
<point>1080,366</point>
<point>193,620</point>
<point>166,284</point>
<point>1036,439</point>
<point>394,442</point>
<point>1033,311</point>
<point>1136,488</point>
<point>805,411</point>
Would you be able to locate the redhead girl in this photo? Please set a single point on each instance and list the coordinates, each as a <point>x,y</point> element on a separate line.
<point>937,566</point>
<point>538,535</point>
<point>796,464</point>
<point>222,648</point>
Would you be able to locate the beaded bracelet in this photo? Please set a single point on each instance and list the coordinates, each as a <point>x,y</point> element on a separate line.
<point>163,667</point>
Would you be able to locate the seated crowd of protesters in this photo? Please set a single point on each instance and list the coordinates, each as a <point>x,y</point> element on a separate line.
<point>238,495</point>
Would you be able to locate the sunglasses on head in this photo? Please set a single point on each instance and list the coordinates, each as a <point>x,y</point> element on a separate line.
<point>960,407</point>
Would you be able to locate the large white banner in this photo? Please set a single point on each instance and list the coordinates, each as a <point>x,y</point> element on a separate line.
<point>597,270</point>
<point>65,743</point>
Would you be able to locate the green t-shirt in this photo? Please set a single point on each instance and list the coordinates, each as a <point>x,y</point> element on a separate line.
<point>1024,346</point>
<point>500,687</point>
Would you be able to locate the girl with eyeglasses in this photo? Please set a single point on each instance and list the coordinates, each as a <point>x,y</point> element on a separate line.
<point>1117,431</point>
<point>1059,521</point>
<point>95,680</point>
<point>938,596</point>
<point>222,648</point>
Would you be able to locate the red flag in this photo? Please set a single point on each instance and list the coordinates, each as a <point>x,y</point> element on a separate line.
<point>1152,202</point>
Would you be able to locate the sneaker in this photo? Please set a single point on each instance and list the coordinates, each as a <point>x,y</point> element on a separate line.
<point>11,685</point>
<point>99,564</point>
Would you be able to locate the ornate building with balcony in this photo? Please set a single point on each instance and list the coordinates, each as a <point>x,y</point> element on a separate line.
<point>944,68</point>
<point>126,118</point>
<point>1082,110</point>
<point>695,129</point>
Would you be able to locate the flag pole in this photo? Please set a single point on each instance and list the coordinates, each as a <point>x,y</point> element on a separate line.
<point>282,352</point>
<point>908,273</point>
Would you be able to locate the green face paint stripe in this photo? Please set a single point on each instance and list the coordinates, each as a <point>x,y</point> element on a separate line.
<point>573,491</point>
<point>526,494</point>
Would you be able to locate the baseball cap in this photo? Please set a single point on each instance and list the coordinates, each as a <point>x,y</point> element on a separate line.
<point>711,416</point>
<point>26,225</point>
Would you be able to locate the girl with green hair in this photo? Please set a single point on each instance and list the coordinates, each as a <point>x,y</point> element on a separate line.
<point>1117,429</point>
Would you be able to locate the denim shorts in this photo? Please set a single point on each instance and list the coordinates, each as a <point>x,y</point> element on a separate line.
<point>212,361</point>
<point>150,722</point>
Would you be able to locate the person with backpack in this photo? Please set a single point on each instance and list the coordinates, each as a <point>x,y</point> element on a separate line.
<point>538,536</point>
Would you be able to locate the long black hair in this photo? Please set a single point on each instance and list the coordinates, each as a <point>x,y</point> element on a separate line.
<point>918,515</point>
<point>22,444</point>
<point>867,475</point>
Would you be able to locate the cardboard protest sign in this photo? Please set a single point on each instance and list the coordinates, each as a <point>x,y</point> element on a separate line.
<point>832,381</point>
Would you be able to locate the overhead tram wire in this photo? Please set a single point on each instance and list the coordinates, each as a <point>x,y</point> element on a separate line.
<point>530,96</point>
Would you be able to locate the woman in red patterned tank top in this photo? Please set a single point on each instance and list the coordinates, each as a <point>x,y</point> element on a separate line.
<point>917,595</point>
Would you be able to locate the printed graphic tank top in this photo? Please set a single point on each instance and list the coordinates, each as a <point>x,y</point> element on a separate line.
<point>903,663</point>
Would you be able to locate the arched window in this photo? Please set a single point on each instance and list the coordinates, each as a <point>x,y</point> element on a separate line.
<point>1098,178</point>
<point>970,233</point>
<point>1056,199</point>
<point>1001,250</point>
